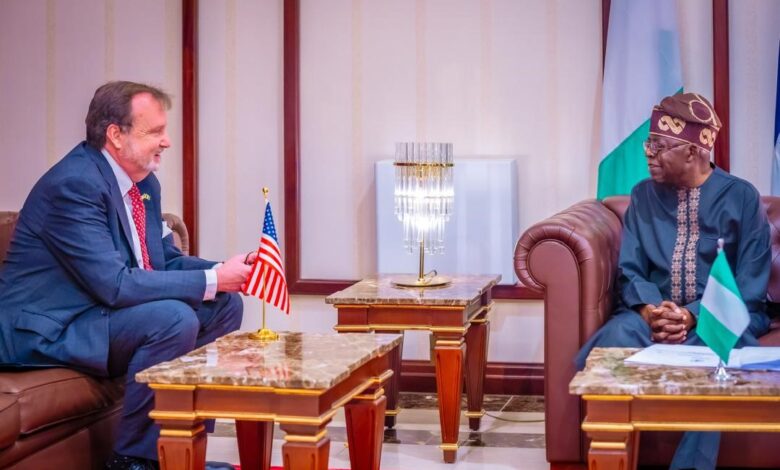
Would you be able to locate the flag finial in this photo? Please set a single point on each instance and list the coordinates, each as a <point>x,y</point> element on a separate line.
<point>265,193</point>
<point>720,245</point>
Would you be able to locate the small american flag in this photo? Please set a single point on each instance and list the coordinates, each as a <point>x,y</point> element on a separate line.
<point>267,281</point>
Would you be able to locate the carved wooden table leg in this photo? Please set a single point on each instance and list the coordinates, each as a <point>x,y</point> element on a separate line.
<point>612,450</point>
<point>393,386</point>
<point>476,359</point>
<point>364,416</point>
<point>306,447</point>
<point>448,353</point>
<point>614,443</point>
<point>634,450</point>
<point>182,444</point>
<point>255,440</point>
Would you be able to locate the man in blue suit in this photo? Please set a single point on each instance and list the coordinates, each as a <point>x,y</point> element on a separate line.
<point>93,280</point>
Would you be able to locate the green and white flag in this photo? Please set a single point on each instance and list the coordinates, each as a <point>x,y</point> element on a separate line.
<point>642,66</point>
<point>723,315</point>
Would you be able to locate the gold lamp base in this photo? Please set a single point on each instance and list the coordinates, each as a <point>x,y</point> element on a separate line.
<point>264,334</point>
<point>415,281</point>
<point>431,279</point>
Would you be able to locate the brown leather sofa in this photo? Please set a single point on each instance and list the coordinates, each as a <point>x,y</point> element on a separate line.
<point>59,418</point>
<point>572,258</point>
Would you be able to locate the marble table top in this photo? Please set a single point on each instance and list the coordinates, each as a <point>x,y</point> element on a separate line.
<point>295,360</point>
<point>463,290</point>
<point>606,373</point>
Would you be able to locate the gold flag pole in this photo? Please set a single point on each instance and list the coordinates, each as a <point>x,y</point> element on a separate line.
<point>264,334</point>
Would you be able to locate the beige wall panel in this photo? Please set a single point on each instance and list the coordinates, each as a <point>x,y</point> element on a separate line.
<point>23,120</point>
<point>240,131</point>
<point>696,45</point>
<point>78,56</point>
<point>388,99</point>
<point>53,54</point>
<point>329,247</point>
<point>151,54</point>
<point>755,33</point>
<point>259,152</point>
<point>214,194</point>
<point>494,77</point>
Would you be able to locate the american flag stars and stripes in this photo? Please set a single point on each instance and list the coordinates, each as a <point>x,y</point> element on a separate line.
<point>266,280</point>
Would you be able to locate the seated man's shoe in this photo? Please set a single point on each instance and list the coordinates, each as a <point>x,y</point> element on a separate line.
<point>219,466</point>
<point>125,462</point>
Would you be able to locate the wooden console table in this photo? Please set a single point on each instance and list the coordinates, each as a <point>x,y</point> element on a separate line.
<point>298,381</point>
<point>623,400</point>
<point>457,317</point>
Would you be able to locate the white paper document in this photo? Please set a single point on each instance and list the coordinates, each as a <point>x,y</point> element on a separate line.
<point>751,358</point>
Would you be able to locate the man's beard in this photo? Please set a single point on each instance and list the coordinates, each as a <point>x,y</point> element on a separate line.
<point>149,166</point>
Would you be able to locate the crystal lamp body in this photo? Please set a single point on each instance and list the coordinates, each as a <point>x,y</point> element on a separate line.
<point>423,201</point>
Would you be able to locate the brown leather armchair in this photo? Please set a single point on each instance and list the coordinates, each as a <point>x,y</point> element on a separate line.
<point>60,418</point>
<point>571,258</point>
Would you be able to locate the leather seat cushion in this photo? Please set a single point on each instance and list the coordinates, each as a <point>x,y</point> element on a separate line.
<point>9,420</point>
<point>49,396</point>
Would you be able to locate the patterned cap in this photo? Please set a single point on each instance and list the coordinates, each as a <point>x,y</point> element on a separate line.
<point>687,117</point>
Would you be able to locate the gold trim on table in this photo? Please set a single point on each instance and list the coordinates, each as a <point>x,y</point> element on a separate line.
<point>182,432</point>
<point>179,387</point>
<point>454,308</point>
<point>449,342</point>
<point>314,439</point>
<point>448,446</point>
<point>484,309</point>
<point>474,414</point>
<point>709,398</point>
<point>608,427</point>
<point>607,397</point>
<point>263,389</point>
<point>711,426</point>
<point>608,445</point>
<point>243,416</point>
<point>370,397</point>
<point>377,327</point>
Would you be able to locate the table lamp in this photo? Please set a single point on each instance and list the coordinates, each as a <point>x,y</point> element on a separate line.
<point>423,203</point>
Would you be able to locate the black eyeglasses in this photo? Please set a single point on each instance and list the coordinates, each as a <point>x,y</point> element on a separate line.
<point>654,148</point>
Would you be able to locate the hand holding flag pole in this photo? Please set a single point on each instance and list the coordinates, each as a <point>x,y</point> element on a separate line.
<point>266,280</point>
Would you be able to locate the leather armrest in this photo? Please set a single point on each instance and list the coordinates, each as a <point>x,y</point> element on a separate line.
<point>181,236</point>
<point>584,238</point>
<point>572,258</point>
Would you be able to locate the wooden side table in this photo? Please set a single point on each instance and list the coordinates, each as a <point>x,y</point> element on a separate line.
<point>457,317</point>
<point>624,400</point>
<point>299,381</point>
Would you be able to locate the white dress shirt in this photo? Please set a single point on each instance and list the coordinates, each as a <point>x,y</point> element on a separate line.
<point>125,183</point>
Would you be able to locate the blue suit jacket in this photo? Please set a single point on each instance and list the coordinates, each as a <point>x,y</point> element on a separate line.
<point>70,264</point>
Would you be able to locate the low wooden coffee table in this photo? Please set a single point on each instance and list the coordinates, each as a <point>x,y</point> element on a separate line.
<point>457,317</point>
<point>299,381</point>
<point>623,400</point>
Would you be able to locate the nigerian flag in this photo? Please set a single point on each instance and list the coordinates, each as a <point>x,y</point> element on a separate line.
<point>642,66</point>
<point>723,315</point>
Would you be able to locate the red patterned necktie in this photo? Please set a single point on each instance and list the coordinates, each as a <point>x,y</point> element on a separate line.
<point>139,218</point>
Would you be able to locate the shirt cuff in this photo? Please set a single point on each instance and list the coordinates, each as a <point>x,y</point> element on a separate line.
<point>211,283</point>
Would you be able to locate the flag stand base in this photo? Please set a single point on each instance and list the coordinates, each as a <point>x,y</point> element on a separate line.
<point>721,375</point>
<point>264,334</point>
